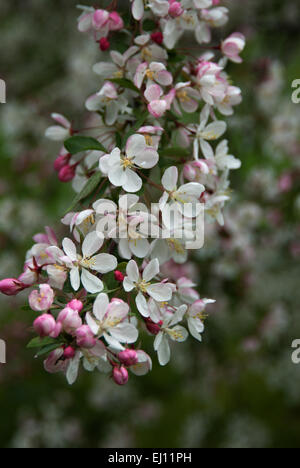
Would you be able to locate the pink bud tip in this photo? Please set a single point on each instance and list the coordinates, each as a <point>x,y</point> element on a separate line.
<point>85,337</point>
<point>11,286</point>
<point>104,44</point>
<point>69,352</point>
<point>175,9</point>
<point>128,357</point>
<point>120,375</point>
<point>153,328</point>
<point>157,37</point>
<point>75,304</point>
<point>67,173</point>
<point>119,276</point>
<point>61,161</point>
<point>45,325</point>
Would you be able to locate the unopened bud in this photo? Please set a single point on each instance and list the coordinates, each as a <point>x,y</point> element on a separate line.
<point>67,173</point>
<point>61,161</point>
<point>119,276</point>
<point>152,327</point>
<point>75,304</point>
<point>45,325</point>
<point>85,337</point>
<point>11,286</point>
<point>175,9</point>
<point>104,44</point>
<point>128,357</point>
<point>69,352</point>
<point>120,375</point>
<point>157,37</point>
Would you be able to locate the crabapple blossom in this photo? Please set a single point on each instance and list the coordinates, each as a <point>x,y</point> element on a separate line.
<point>121,168</point>
<point>125,270</point>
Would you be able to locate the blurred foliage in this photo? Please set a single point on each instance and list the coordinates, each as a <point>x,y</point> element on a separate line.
<point>239,387</point>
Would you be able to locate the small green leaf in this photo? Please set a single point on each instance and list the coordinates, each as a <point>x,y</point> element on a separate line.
<point>47,349</point>
<point>125,84</point>
<point>77,144</point>
<point>176,152</point>
<point>38,342</point>
<point>89,187</point>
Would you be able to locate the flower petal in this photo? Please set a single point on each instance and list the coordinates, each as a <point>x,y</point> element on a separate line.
<point>90,282</point>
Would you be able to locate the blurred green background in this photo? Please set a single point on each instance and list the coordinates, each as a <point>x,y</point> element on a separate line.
<point>239,388</point>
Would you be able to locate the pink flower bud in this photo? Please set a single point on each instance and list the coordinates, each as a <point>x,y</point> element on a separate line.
<point>175,9</point>
<point>285,182</point>
<point>85,337</point>
<point>75,305</point>
<point>115,21</point>
<point>233,46</point>
<point>120,375</point>
<point>69,319</point>
<point>119,276</point>
<point>189,172</point>
<point>129,357</point>
<point>153,328</point>
<point>42,299</point>
<point>67,173</point>
<point>45,325</point>
<point>69,352</point>
<point>100,18</point>
<point>157,37</point>
<point>11,286</point>
<point>104,44</point>
<point>61,161</point>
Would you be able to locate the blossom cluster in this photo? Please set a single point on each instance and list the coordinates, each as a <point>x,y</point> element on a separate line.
<point>153,127</point>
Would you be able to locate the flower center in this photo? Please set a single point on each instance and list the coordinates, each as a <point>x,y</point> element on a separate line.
<point>183,96</point>
<point>143,286</point>
<point>149,140</point>
<point>150,74</point>
<point>127,162</point>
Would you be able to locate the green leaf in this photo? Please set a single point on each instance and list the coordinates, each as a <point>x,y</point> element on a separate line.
<point>89,187</point>
<point>77,144</point>
<point>127,84</point>
<point>176,152</point>
<point>47,349</point>
<point>38,342</point>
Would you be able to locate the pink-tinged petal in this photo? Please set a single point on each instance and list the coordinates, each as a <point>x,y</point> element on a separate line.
<point>190,106</point>
<point>153,92</point>
<point>133,183</point>
<point>70,249</point>
<point>100,306</point>
<point>164,78</point>
<point>140,74</point>
<point>94,103</point>
<point>157,108</point>
<point>109,90</point>
<point>170,178</point>
<point>61,120</point>
<point>90,282</point>
<point>135,145</point>
<point>148,159</point>
<point>100,18</point>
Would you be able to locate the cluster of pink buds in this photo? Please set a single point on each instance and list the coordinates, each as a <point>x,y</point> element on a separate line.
<point>122,269</point>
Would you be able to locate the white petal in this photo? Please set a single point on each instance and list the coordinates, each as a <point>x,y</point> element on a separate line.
<point>75,278</point>
<point>128,284</point>
<point>170,178</point>
<point>164,352</point>
<point>147,159</point>
<point>91,323</point>
<point>90,282</point>
<point>70,249</point>
<point>104,263</point>
<point>140,248</point>
<point>133,271</point>
<point>160,292</point>
<point>135,145</point>
<point>151,270</point>
<point>73,368</point>
<point>92,243</point>
<point>133,183</point>
<point>138,9</point>
<point>142,305</point>
<point>125,333</point>
<point>178,334</point>
<point>100,306</point>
